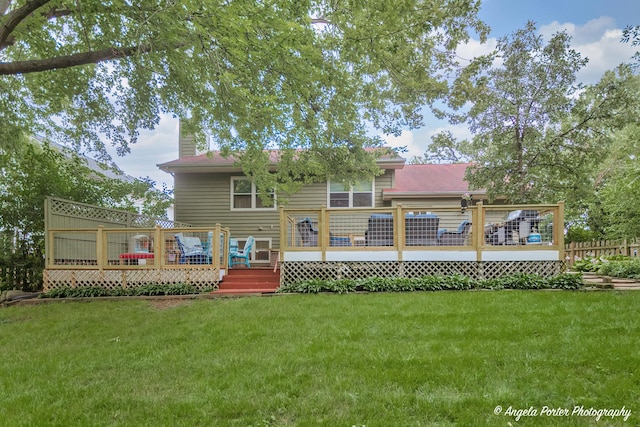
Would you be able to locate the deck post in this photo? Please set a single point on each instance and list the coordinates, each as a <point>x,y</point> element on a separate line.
<point>100,247</point>
<point>284,243</point>
<point>215,245</point>
<point>558,230</point>
<point>477,219</point>
<point>158,248</point>
<point>398,238</point>
<point>323,235</point>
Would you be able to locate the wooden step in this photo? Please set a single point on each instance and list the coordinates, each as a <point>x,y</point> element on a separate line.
<point>249,280</point>
<point>242,292</point>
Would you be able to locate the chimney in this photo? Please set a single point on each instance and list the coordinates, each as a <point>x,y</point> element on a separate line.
<point>187,144</point>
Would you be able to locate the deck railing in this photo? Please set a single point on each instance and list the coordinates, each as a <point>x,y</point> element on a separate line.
<point>480,229</point>
<point>140,248</point>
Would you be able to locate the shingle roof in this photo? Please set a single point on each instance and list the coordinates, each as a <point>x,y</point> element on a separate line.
<point>213,160</point>
<point>429,180</point>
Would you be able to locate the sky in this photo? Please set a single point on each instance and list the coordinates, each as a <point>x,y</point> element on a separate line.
<point>594,25</point>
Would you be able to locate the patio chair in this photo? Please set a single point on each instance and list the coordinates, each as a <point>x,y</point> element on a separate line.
<point>454,238</point>
<point>242,254</point>
<point>309,235</point>
<point>421,230</point>
<point>191,250</point>
<point>380,230</point>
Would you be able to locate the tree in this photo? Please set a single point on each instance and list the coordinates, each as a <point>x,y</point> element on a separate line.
<point>444,148</point>
<point>632,34</point>
<point>310,74</point>
<point>618,175</point>
<point>36,171</point>
<point>537,135</point>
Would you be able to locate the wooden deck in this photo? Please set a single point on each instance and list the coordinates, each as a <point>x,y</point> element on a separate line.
<point>479,242</point>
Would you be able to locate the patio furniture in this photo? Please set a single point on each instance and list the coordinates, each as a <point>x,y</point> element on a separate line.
<point>136,258</point>
<point>242,254</point>
<point>380,230</point>
<point>233,247</point>
<point>522,222</point>
<point>191,250</point>
<point>309,235</point>
<point>454,238</point>
<point>421,230</point>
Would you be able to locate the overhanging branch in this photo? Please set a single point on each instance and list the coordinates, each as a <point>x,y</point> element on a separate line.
<point>68,61</point>
<point>11,20</point>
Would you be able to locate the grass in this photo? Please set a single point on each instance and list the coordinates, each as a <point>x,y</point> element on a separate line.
<point>389,359</point>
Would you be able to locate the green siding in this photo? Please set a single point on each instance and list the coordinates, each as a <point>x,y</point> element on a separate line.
<point>204,199</point>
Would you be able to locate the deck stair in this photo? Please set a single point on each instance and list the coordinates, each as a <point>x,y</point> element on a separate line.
<point>254,280</point>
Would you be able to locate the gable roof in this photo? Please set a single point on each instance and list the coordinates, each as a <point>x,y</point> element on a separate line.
<point>214,162</point>
<point>431,180</point>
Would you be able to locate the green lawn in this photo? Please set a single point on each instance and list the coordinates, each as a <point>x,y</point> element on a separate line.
<point>388,359</point>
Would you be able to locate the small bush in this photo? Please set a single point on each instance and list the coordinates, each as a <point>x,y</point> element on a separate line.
<point>565,281</point>
<point>434,283</point>
<point>144,290</point>
<point>627,268</point>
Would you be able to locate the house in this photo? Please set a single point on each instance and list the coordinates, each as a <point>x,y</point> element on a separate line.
<point>209,188</point>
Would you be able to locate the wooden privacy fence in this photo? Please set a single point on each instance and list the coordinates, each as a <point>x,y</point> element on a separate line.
<point>60,213</point>
<point>579,250</point>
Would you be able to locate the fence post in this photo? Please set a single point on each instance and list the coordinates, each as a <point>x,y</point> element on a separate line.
<point>572,253</point>
<point>478,229</point>
<point>284,232</point>
<point>215,248</point>
<point>558,230</point>
<point>158,248</point>
<point>100,247</point>
<point>398,237</point>
<point>322,226</point>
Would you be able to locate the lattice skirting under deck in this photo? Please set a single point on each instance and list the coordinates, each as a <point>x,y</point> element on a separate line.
<point>296,271</point>
<point>201,279</point>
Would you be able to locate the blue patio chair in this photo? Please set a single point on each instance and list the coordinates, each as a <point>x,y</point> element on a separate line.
<point>191,250</point>
<point>242,254</point>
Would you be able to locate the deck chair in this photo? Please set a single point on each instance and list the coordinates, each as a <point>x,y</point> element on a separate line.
<point>242,254</point>
<point>421,230</point>
<point>454,238</point>
<point>191,250</point>
<point>309,235</point>
<point>380,230</point>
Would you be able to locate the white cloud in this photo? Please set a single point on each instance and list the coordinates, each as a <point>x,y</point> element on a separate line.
<point>153,147</point>
<point>473,48</point>
<point>404,140</point>
<point>599,41</point>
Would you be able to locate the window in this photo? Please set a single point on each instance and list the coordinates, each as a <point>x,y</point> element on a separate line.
<point>358,196</point>
<point>244,195</point>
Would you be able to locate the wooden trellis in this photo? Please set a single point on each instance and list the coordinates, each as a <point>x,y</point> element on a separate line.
<point>297,271</point>
<point>200,278</point>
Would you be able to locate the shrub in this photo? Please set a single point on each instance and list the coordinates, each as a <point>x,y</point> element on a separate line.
<point>628,268</point>
<point>565,281</point>
<point>434,283</point>
<point>150,289</point>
